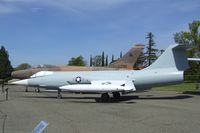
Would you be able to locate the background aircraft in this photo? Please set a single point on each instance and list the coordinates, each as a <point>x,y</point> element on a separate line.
<point>167,69</point>
<point>126,62</point>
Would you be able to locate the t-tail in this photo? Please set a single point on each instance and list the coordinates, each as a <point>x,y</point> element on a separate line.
<point>174,57</point>
<point>167,69</point>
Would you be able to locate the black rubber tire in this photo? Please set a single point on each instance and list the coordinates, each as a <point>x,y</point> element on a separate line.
<point>105,97</point>
<point>116,95</point>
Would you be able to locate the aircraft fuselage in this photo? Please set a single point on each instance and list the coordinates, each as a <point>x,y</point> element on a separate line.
<point>142,79</point>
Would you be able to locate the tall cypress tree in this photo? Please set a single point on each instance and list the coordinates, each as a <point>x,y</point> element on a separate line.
<point>112,58</point>
<point>106,60</point>
<point>103,59</point>
<point>90,60</point>
<point>5,65</point>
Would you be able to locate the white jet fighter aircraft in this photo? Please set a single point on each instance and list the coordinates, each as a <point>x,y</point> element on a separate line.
<point>167,69</point>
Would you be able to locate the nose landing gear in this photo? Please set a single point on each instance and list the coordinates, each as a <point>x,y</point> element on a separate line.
<point>59,94</point>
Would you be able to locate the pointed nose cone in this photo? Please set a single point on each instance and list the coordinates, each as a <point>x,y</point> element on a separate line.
<point>21,82</point>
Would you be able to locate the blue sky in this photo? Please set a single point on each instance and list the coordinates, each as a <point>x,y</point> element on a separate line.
<point>53,31</point>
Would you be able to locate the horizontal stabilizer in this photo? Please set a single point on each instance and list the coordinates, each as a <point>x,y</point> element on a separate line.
<point>194,59</point>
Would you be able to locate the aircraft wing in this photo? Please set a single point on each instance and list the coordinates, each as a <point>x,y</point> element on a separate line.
<point>101,86</point>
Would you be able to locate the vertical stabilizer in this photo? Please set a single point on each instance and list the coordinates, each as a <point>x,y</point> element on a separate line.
<point>130,58</point>
<point>173,57</point>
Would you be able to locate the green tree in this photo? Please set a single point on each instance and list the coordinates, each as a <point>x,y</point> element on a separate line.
<point>23,66</point>
<point>77,61</point>
<point>191,38</point>
<point>140,63</point>
<point>183,38</point>
<point>151,53</point>
<point>5,65</point>
<point>103,59</point>
<point>97,60</point>
<point>91,60</point>
<point>106,60</point>
<point>113,58</point>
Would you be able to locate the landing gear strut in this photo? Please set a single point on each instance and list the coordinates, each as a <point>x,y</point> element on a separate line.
<point>105,97</point>
<point>59,94</point>
<point>116,95</point>
<point>26,90</point>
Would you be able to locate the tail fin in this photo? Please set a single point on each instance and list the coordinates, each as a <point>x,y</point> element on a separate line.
<point>130,58</point>
<point>173,57</point>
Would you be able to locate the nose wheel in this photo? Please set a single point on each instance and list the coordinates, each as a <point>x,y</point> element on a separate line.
<point>105,97</point>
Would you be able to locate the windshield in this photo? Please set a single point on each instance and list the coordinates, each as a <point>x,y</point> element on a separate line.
<point>41,74</point>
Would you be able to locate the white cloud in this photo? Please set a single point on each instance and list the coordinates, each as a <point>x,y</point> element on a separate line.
<point>7,9</point>
<point>36,9</point>
<point>70,5</point>
<point>185,6</point>
<point>78,6</point>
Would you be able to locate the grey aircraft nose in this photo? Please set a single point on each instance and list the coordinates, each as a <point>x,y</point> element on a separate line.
<point>21,82</point>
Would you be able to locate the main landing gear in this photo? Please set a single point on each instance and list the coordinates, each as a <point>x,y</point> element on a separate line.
<point>116,95</point>
<point>105,96</point>
<point>59,94</point>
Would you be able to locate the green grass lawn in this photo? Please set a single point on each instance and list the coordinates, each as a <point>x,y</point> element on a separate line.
<point>179,87</point>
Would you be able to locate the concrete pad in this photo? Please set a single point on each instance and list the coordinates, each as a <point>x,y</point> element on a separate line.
<point>147,112</point>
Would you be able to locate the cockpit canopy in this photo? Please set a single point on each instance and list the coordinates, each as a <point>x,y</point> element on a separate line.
<point>42,74</point>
